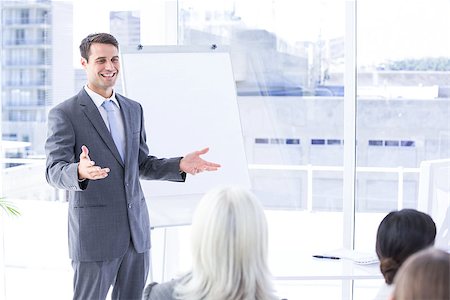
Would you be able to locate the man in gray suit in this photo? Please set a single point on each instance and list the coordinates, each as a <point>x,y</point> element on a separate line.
<point>96,149</point>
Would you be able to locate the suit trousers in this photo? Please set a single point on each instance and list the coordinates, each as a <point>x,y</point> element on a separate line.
<point>127,275</point>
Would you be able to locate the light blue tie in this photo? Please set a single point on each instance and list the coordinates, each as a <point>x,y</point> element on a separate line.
<point>119,140</point>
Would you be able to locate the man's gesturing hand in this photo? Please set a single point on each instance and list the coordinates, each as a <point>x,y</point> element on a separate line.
<point>193,164</point>
<point>87,168</point>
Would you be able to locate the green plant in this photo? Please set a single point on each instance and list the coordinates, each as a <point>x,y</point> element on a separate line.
<point>8,208</point>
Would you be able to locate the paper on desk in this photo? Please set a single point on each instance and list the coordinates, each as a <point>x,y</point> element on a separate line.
<point>358,257</point>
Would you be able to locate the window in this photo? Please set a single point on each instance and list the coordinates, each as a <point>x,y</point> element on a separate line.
<point>24,16</point>
<point>19,36</point>
<point>42,16</point>
<point>399,109</point>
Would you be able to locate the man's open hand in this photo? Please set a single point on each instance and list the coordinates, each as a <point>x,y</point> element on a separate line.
<point>193,164</point>
<point>87,168</point>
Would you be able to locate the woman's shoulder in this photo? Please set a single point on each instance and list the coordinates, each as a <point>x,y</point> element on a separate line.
<point>384,292</point>
<point>162,291</point>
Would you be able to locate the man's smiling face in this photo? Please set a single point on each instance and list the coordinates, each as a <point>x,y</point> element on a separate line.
<point>102,68</point>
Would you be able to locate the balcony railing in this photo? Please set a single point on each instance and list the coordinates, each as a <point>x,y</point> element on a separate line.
<point>29,62</point>
<point>26,42</point>
<point>26,84</point>
<point>27,21</point>
<point>309,169</point>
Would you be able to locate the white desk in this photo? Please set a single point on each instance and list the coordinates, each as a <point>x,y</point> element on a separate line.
<point>307,268</point>
<point>294,236</point>
<point>292,242</point>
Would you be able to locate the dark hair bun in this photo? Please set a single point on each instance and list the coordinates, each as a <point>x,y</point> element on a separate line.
<point>389,268</point>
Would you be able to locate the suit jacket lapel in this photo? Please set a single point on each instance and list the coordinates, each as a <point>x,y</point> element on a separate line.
<point>92,113</point>
<point>126,116</point>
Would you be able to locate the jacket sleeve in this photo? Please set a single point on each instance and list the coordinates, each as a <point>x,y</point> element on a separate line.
<point>163,291</point>
<point>62,165</point>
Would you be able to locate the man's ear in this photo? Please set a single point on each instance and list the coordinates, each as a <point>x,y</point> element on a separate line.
<point>83,62</point>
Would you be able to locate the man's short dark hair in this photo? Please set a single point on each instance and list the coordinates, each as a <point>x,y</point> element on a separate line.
<point>101,38</point>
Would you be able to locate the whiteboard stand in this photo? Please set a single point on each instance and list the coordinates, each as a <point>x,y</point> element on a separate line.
<point>189,101</point>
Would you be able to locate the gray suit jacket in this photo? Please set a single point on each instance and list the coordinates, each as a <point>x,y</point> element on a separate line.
<point>163,291</point>
<point>104,215</point>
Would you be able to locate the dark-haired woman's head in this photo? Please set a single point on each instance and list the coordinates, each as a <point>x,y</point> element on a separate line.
<point>401,234</point>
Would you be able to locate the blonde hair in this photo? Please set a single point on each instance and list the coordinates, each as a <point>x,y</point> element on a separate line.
<point>424,275</point>
<point>229,248</point>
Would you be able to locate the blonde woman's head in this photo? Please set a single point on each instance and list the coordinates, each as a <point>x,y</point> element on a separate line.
<point>424,275</point>
<point>229,247</point>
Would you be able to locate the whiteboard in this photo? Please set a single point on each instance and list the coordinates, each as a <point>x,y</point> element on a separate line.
<point>189,100</point>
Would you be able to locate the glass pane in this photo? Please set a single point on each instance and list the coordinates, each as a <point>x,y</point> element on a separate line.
<point>288,59</point>
<point>36,73</point>
<point>40,67</point>
<point>403,107</point>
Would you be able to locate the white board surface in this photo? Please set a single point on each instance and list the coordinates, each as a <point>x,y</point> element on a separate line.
<point>189,103</point>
